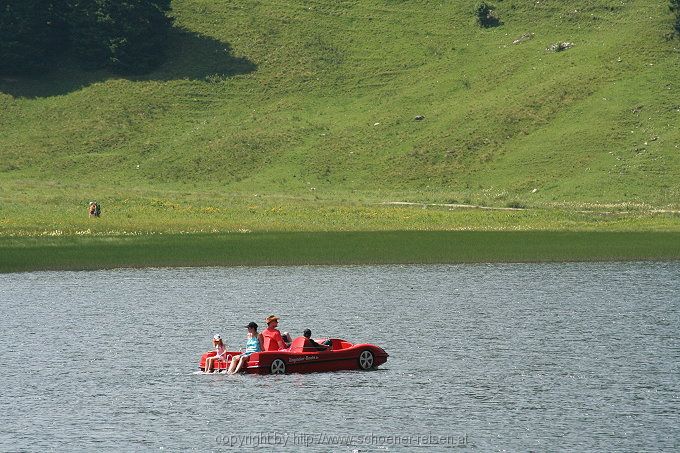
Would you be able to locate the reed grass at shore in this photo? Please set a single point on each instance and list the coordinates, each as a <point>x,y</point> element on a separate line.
<point>20,254</point>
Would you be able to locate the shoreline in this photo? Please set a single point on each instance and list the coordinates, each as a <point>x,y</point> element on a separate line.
<point>26,254</point>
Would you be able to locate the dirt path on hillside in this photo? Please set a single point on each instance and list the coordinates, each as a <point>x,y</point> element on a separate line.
<point>451,205</point>
<point>490,208</point>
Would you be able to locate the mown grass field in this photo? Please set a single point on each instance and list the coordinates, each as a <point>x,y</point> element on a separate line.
<point>299,116</point>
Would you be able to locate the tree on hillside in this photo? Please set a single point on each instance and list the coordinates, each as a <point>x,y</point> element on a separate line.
<point>675,7</point>
<point>32,34</point>
<point>126,36</point>
<point>486,15</point>
<point>90,30</point>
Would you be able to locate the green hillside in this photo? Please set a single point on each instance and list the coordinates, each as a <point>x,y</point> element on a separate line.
<point>309,107</point>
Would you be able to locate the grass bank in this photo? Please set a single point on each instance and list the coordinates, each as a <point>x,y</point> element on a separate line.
<point>127,212</point>
<point>312,248</point>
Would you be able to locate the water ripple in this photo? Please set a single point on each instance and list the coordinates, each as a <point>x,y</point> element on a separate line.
<point>496,357</point>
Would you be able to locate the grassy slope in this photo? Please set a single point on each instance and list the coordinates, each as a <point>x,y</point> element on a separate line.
<point>310,105</point>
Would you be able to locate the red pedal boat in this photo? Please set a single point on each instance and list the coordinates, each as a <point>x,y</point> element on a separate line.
<point>303,357</point>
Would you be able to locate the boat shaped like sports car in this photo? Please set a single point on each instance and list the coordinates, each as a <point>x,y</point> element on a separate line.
<point>304,357</point>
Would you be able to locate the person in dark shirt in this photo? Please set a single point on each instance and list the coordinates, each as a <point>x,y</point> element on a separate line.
<point>319,347</point>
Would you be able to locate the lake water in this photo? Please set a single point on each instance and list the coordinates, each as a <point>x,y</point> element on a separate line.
<point>490,357</point>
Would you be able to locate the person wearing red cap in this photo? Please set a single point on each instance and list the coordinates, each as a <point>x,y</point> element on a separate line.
<point>273,341</point>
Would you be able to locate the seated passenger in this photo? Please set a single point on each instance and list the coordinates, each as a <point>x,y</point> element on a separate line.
<point>220,352</point>
<point>273,341</point>
<point>319,347</point>
<point>254,344</point>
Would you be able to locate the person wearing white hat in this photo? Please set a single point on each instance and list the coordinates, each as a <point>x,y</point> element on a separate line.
<point>220,352</point>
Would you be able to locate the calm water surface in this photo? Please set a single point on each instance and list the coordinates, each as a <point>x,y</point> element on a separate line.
<point>487,357</point>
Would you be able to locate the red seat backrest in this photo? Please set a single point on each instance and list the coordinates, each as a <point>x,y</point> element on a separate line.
<point>299,344</point>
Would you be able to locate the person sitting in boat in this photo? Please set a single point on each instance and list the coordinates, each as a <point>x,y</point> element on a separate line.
<point>220,353</point>
<point>319,347</point>
<point>273,341</point>
<point>254,344</point>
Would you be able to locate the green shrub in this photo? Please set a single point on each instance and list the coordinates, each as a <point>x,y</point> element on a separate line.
<point>675,7</point>
<point>486,15</point>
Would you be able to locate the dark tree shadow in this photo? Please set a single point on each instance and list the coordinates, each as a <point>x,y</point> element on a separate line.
<point>189,56</point>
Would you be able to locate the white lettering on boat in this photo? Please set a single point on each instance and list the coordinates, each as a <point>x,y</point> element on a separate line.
<point>302,359</point>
